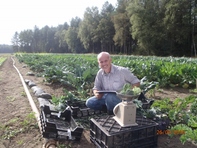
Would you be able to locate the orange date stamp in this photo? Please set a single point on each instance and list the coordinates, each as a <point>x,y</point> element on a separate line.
<point>174,132</point>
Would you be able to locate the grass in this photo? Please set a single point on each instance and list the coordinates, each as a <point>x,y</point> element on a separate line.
<point>14,126</point>
<point>23,94</point>
<point>10,98</point>
<point>20,142</point>
<point>193,90</point>
<point>2,59</point>
<point>30,118</point>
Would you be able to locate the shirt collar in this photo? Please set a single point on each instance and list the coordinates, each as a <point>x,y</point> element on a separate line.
<point>112,70</point>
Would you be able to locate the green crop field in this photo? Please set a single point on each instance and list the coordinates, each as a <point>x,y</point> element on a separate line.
<point>76,73</point>
<point>78,69</point>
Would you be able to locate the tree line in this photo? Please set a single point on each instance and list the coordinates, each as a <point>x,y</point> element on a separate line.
<point>141,27</point>
<point>6,49</point>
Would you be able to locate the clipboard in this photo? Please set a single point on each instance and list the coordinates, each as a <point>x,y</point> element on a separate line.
<point>107,91</point>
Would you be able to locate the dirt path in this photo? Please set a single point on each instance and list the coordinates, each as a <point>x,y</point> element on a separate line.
<point>18,128</point>
<point>14,111</point>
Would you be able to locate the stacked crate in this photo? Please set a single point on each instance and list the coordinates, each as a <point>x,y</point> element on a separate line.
<point>59,125</point>
<point>105,132</point>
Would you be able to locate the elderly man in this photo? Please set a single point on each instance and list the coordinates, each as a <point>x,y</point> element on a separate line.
<point>109,78</point>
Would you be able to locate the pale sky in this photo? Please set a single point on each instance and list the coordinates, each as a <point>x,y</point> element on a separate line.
<point>19,15</point>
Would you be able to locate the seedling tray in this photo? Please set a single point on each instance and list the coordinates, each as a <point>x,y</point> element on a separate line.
<point>105,132</point>
<point>79,109</point>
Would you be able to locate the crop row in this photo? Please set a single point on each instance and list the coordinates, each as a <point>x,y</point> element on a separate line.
<point>78,69</point>
<point>77,72</point>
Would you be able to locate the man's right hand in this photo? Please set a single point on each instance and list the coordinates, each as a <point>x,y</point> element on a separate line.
<point>98,95</point>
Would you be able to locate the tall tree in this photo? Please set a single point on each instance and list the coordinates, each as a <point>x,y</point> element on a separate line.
<point>15,42</point>
<point>88,30</point>
<point>146,21</point>
<point>122,36</point>
<point>106,28</point>
<point>50,38</point>
<point>26,40</point>
<point>178,24</point>
<point>72,38</point>
<point>194,27</point>
<point>36,39</point>
<point>60,38</point>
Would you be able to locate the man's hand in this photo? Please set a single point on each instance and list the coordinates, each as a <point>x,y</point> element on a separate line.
<point>97,95</point>
<point>136,85</point>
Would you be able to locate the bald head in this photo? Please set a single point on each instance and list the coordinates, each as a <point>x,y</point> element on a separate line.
<point>103,54</point>
<point>104,61</point>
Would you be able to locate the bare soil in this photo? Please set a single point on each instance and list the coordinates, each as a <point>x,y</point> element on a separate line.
<point>16,132</point>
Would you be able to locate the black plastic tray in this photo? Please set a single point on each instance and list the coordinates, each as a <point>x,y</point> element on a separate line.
<point>79,109</point>
<point>60,128</point>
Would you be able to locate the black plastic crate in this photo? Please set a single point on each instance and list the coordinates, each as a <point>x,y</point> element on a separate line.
<point>79,109</point>
<point>146,103</point>
<point>59,126</point>
<point>105,132</point>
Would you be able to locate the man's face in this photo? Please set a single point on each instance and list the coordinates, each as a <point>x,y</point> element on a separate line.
<point>105,63</point>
